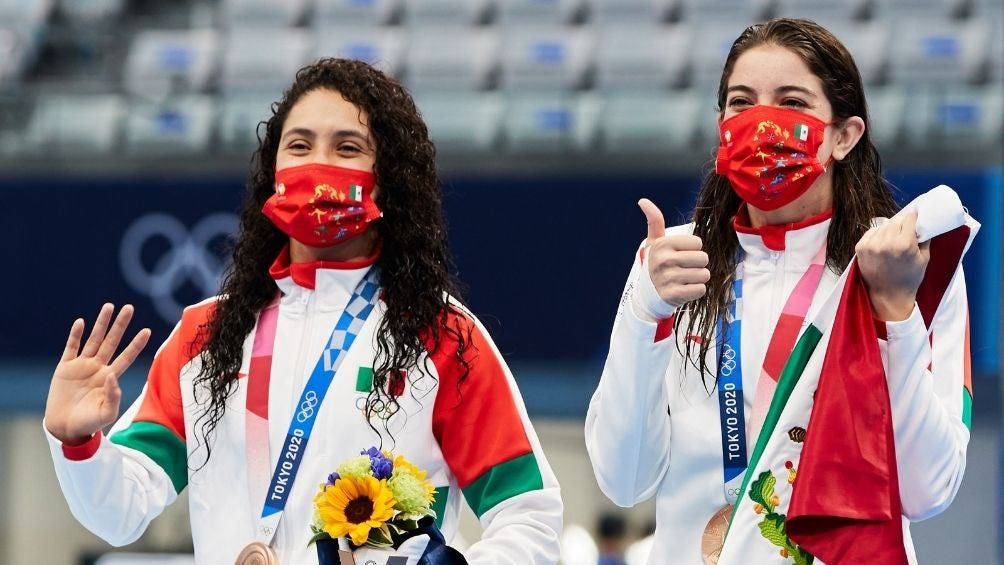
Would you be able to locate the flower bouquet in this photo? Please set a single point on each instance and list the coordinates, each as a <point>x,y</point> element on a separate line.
<point>377,508</point>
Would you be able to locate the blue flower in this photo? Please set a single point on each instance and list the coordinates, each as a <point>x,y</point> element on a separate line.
<point>332,478</point>
<point>381,465</point>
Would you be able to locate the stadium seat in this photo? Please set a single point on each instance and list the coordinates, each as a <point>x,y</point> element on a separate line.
<point>162,62</point>
<point>21,26</point>
<point>382,47</point>
<point>895,10</point>
<point>967,117</point>
<point>91,11</point>
<point>886,113</point>
<point>15,53</point>
<point>538,11</point>
<point>550,122</point>
<point>355,12</point>
<point>712,41</point>
<point>451,58</point>
<point>178,126</point>
<point>76,124</point>
<point>25,11</point>
<point>931,50</point>
<point>822,11</point>
<point>707,115</point>
<point>545,57</point>
<point>262,13</point>
<point>462,122</point>
<point>239,119</point>
<point>996,51</point>
<point>633,57</point>
<point>421,13</point>
<point>264,59</point>
<point>748,11</point>
<point>650,123</point>
<point>868,43</point>
<point>642,12</point>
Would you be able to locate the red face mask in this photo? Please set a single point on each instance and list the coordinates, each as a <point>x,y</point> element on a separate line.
<point>769,154</point>
<point>322,205</point>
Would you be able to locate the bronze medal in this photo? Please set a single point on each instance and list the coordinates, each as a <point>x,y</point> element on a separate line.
<point>713,539</point>
<point>257,553</point>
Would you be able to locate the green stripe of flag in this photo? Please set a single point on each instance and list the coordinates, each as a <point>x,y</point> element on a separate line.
<point>439,504</point>
<point>364,379</point>
<point>502,482</point>
<point>793,369</point>
<point>967,408</point>
<point>160,444</point>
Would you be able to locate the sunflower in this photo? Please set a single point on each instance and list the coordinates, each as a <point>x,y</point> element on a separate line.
<point>354,506</point>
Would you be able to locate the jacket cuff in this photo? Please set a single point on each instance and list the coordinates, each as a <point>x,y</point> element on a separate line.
<point>646,303</point>
<point>906,329</point>
<point>78,452</point>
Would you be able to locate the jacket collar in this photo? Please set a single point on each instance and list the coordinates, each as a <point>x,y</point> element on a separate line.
<point>796,239</point>
<point>306,274</point>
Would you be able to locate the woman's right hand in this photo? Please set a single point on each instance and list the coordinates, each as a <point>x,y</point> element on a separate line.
<point>84,394</point>
<point>677,264</point>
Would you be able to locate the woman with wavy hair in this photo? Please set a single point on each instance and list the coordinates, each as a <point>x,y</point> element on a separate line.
<point>783,369</point>
<point>337,327</point>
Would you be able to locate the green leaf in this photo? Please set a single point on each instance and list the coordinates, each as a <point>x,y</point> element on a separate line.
<point>772,528</point>
<point>762,490</point>
<point>802,557</point>
<point>405,525</point>
<point>379,538</point>
<point>317,537</point>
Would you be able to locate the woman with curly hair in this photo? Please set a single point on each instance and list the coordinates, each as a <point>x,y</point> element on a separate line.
<point>337,327</point>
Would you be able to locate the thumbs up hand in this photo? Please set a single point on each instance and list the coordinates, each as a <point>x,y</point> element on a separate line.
<point>677,264</point>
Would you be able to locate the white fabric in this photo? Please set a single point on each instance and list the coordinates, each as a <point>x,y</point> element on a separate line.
<point>638,450</point>
<point>118,491</point>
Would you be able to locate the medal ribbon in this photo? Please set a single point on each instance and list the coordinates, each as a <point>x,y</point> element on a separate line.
<point>358,309</point>
<point>731,408</point>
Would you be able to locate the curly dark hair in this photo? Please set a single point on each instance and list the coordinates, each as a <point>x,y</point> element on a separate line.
<point>860,192</point>
<point>414,262</point>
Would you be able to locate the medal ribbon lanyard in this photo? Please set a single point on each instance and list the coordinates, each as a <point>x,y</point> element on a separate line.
<point>358,309</point>
<point>731,406</point>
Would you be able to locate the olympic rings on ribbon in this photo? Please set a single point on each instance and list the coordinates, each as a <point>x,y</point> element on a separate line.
<point>307,407</point>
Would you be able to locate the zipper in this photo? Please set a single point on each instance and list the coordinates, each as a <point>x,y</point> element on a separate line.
<point>778,287</point>
<point>305,341</point>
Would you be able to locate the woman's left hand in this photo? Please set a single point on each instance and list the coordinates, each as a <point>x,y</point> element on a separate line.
<point>892,264</point>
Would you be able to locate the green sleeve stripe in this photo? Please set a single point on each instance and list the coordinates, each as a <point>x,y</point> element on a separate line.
<point>967,408</point>
<point>439,504</point>
<point>160,444</point>
<point>502,482</point>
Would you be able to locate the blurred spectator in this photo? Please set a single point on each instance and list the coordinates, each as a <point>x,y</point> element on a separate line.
<point>611,534</point>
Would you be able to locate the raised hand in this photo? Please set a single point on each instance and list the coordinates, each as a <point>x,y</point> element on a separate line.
<point>677,264</point>
<point>892,264</point>
<point>84,394</point>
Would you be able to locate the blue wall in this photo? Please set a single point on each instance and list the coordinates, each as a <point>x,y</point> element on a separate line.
<point>544,259</point>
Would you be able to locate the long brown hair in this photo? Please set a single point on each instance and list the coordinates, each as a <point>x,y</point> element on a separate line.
<point>860,193</point>
<point>415,265</point>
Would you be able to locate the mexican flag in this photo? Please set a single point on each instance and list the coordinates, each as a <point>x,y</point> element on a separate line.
<point>801,132</point>
<point>356,192</point>
<point>822,483</point>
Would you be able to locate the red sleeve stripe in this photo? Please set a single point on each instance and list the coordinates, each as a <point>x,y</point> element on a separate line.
<point>478,425</point>
<point>162,401</point>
